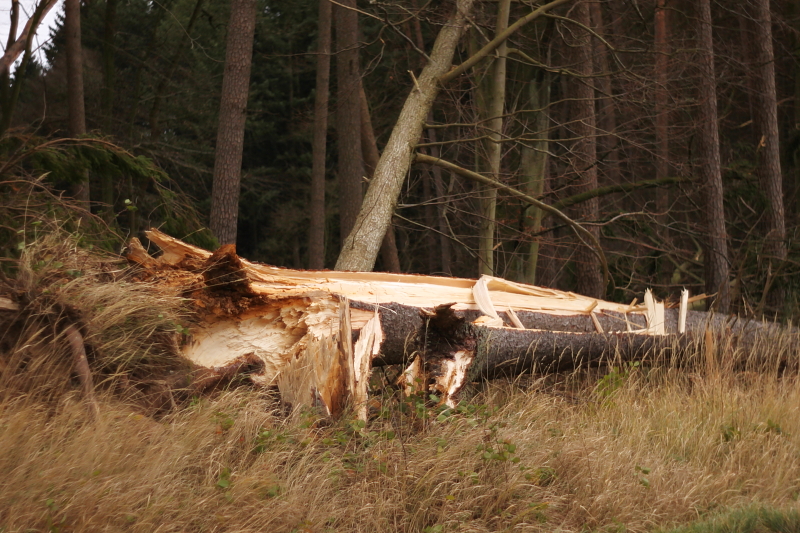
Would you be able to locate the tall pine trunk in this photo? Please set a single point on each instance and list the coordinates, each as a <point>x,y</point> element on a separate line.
<point>75,105</point>
<point>316,230</point>
<point>661,102</point>
<point>348,116</point>
<point>765,121</point>
<point>232,118</point>
<point>716,245</point>
<point>589,280</point>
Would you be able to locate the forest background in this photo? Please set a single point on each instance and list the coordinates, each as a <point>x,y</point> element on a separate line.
<point>667,129</point>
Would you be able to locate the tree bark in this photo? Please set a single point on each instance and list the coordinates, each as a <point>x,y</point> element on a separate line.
<point>232,119</point>
<point>589,280</point>
<point>348,116</point>
<point>76,125</point>
<point>316,231</point>
<point>716,245</point>
<point>765,121</point>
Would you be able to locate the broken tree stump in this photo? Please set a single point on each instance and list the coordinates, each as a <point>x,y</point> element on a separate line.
<point>319,333</point>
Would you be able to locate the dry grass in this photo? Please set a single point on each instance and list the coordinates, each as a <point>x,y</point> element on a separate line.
<point>655,452</point>
<point>625,450</point>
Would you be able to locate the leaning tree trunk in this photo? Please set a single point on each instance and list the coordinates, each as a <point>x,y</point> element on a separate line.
<point>716,245</point>
<point>361,247</point>
<point>232,118</point>
<point>318,334</point>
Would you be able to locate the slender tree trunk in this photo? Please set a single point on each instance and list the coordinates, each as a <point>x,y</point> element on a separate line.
<point>77,113</point>
<point>109,82</point>
<point>369,148</point>
<point>494,149</point>
<point>765,120</point>
<point>109,72</point>
<point>348,116</point>
<point>438,182</point>
<point>716,246</point>
<point>232,118</point>
<point>316,231</point>
<point>661,101</point>
<point>584,151</point>
<point>534,164</point>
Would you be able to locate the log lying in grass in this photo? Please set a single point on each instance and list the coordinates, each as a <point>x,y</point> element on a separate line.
<point>319,333</point>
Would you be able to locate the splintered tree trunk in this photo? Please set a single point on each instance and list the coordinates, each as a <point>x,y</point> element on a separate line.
<point>75,105</point>
<point>232,118</point>
<point>316,230</point>
<point>494,148</point>
<point>317,334</point>
<point>584,151</point>
<point>716,245</point>
<point>348,116</point>
<point>765,120</point>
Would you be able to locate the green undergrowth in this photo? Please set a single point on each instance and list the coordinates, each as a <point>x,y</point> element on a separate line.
<point>751,519</point>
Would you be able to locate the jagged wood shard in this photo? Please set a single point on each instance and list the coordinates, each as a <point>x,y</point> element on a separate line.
<point>319,333</point>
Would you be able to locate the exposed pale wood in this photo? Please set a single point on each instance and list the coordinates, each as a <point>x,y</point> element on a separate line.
<point>684,307</point>
<point>8,305</point>
<point>81,365</point>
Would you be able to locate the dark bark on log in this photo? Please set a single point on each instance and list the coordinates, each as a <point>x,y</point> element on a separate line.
<point>556,343</point>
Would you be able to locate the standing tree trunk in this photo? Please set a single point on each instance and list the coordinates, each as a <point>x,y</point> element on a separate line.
<point>765,121</point>
<point>584,151</point>
<point>232,118</point>
<point>534,164</point>
<point>606,113</point>
<point>348,116</point>
<point>77,113</point>
<point>369,149</point>
<point>316,231</point>
<point>494,148</point>
<point>716,246</point>
<point>109,81</point>
<point>661,101</point>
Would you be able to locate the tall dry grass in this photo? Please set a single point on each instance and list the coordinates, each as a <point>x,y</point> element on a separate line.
<point>639,452</point>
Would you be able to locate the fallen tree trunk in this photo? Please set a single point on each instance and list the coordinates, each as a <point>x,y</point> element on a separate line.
<point>319,333</point>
